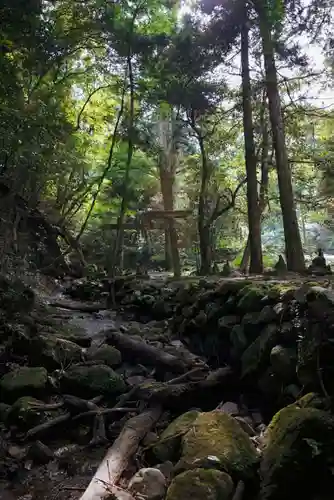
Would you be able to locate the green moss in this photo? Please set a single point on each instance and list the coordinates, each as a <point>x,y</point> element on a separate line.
<point>169,444</point>
<point>313,400</point>
<point>299,454</point>
<point>259,350</point>
<point>92,380</point>
<point>25,413</point>
<point>56,352</point>
<point>109,355</point>
<point>23,381</point>
<point>251,298</point>
<point>200,484</point>
<point>218,434</point>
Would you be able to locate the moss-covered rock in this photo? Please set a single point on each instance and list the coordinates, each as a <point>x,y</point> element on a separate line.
<point>107,354</point>
<point>251,298</point>
<point>200,484</point>
<point>56,352</point>
<point>92,380</point>
<point>259,350</point>
<point>218,434</point>
<point>25,412</point>
<point>23,381</point>
<point>298,454</point>
<point>169,445</point>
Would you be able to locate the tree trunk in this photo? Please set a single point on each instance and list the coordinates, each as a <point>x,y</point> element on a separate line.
<point>293,245</point>
<point>171,243</point>
<point>120,221</point>
<point>254,216</point>
<point>263,186</point>
<point>203,226</point>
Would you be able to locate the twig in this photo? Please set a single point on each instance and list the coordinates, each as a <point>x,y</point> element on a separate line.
<point>107,411</point>
<point>183,377</point>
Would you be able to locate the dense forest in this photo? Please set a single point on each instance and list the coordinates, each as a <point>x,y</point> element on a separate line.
<point>166,240</point>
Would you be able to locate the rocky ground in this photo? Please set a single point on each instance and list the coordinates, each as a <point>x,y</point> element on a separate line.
<point>225,386</point>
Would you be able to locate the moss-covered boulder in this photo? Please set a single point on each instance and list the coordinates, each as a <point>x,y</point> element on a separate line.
<point>251,298</point>
<point>106,354</point>
<point>298,455</point>
<point>25,413</point>
<point>56,352</point>
<point>258,352</point>
<point>92,380</point>
<point>23,381</point>
<point>200,484</point>
<point>169,445</point>
<point>218,434</point>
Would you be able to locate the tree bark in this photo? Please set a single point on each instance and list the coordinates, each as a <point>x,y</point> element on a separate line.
<point>293,244</point>
<point>254,216</point>
<point>171,243</point>
<point>136,349</point>
<point>203,226</point>
<point>263,186</point>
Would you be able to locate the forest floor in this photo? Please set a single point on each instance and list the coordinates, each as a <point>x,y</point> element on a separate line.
<point>73,460</point>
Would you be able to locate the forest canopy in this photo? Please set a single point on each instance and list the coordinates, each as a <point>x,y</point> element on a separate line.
<point>199,131</point>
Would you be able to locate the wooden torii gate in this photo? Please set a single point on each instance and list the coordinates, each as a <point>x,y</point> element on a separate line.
<point>144,220</point>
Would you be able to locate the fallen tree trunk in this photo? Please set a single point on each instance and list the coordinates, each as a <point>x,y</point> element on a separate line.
<point>188,394</point>
<point>134,349</point>
<point>116,459</point>
<point>77,306</point>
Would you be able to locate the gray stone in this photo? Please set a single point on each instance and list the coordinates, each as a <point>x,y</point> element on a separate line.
<point>93,380</point>
<point>283,361</point>
<point>267,315</point>
<point>238,340</point>
<point>228,322</point>
<point>107,354</point>
<point>148,483</point>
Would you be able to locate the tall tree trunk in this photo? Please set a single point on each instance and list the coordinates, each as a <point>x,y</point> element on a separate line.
<point>167,168</point>
<point>293,244</point>
<point>171,244</point>
<point>120,221</point>
<point>202,224</point>
<point>264,183</point>
<point>254,216</point>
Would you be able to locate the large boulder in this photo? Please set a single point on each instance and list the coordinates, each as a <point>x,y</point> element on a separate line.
<point>169,444</point>
<point>220,435</point>
<point>298,454</point>
<point>199,484</point>
<point>23,381</point>
<point>56,352</point>
<point>258,352</point>
<point>106,354</point>
<point>92,380</point>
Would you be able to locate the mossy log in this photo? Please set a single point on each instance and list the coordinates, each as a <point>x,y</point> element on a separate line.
<point>187,394</point>
<point>133,349</point>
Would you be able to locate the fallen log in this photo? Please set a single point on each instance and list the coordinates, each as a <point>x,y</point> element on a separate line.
<point>134,349</point>
<point>117,457</point>
<point>185,395</point>
<point>77,306</point>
